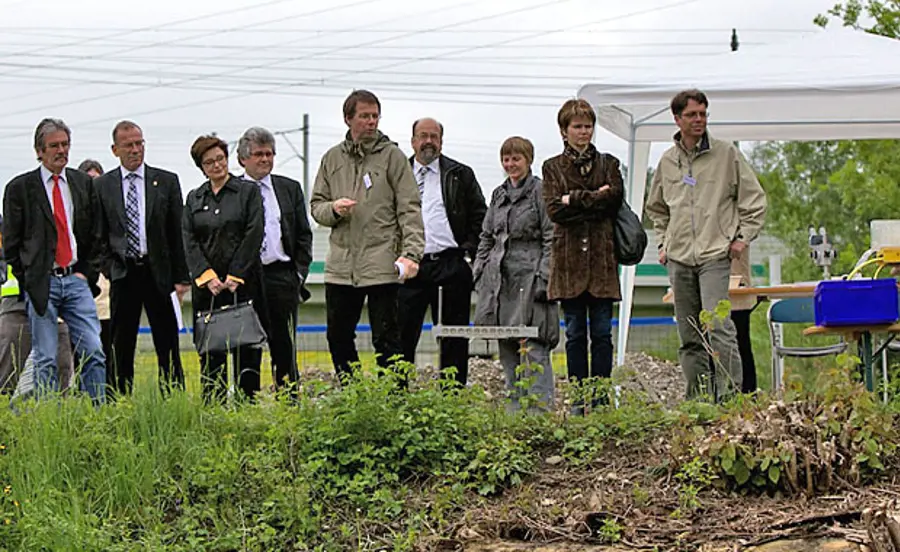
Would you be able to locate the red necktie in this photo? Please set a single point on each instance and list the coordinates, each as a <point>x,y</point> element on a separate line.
<point>63,246</point>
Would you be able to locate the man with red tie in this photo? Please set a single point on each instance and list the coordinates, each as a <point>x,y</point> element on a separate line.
<point>49,231</point>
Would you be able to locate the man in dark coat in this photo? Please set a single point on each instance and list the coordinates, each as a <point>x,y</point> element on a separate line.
<point>453,209</point>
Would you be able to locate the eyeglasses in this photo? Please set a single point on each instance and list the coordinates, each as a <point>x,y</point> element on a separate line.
<point>263,154</point>
<point>214,161</point>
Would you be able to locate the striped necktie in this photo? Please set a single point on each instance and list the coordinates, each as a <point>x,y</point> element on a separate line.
<point>420,178</point>
<point>132,218</point>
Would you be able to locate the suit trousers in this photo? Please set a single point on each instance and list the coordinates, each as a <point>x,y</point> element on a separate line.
<point>450,273</point>
<point>741,319</point>
<point>343,305</point>
<point>282,299</point>
<point>128,297</point>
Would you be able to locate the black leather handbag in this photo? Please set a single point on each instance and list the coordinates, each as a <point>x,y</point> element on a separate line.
<point>224,329</point>
<point>630,236</point>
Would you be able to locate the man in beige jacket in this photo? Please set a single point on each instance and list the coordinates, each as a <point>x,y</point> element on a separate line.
<point>706,206</point>
<point>366,193</point>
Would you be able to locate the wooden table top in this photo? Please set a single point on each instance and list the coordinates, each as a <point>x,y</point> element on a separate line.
<point>852,330</point>
<point>783,291</point>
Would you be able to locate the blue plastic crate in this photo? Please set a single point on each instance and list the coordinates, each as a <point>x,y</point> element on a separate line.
<point>856,302</point>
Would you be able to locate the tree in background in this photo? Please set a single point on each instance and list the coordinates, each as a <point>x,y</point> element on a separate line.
<point>881,16</point>
<point>840,185</point>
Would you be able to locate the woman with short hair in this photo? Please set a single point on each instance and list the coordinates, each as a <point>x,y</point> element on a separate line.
<point>223,231</point>
<point>511,274</point>
<point>583,192</point>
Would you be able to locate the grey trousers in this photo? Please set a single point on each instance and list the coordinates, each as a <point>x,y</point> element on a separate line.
<point>699,288</point>
<point>541,389</point>
<point>15,348</point>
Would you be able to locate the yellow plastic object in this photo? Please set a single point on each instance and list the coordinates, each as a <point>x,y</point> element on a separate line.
<point>883,257</point>
<point>889,255</point>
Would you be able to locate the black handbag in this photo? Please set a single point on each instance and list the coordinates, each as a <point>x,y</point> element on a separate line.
<point>630,237</point>
<point>226,328</point>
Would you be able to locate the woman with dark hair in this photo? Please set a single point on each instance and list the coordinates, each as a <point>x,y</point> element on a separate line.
<point>223,231</point>
<point>583,192</point>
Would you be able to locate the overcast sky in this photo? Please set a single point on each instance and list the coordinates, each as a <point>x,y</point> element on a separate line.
<point>487,69</point>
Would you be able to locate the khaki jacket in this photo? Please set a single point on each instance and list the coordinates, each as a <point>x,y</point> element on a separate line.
<point>696,223</point>
<point>386,222</point>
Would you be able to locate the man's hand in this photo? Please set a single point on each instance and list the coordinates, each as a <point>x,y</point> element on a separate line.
<point>565,199</point>
<point>343,206</point>
<point>80,275</point>
<point>215,286</point>
<point>181,290</point>
<point>737,249</point>
<point>662,257</point>
<point>410,268</point>
<point>231,284</point>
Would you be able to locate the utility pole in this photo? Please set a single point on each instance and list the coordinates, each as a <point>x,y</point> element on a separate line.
<point>306,187</point>
<point>735,44</point>
<point>304,155</point>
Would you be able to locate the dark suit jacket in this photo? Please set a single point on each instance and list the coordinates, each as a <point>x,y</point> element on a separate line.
<point>463,201</point>
<point>296,236</point>
<point>165,248</point>
<point>29,232</point>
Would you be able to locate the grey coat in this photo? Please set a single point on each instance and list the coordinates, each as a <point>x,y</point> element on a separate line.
<point>514,254</point>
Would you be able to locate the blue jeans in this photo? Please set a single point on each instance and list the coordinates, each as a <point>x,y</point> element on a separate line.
<point>578,313</point>
<point>70,299</point>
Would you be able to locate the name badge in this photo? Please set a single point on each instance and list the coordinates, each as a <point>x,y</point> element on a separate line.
<point>367,181</point>
<point>690,180</point>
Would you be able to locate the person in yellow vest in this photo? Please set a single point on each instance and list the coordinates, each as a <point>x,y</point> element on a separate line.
<point>15,340</point>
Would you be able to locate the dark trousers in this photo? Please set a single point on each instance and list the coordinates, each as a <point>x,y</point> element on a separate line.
<point>128,297</point>
<point>106,339</point>
<point>282,291</point>
<point>585,315</point>
<point>451,272</point>
<point>245,361</point>
<point>344,307</point>
<point>741,319</point>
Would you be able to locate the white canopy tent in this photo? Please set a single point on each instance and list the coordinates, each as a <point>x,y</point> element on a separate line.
<point>829,85</point>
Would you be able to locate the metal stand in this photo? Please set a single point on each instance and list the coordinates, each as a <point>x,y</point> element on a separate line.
<point>521,332</point>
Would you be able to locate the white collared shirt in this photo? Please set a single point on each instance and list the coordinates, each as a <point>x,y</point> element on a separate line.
<point>272,249</point>
<point>68,205</point>
<point>141,185</point>
<point>438,234</point>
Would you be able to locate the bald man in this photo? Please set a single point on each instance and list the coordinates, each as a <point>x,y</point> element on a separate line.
<point>453,209</point>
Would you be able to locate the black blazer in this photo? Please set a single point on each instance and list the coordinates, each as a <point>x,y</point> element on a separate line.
<point>463,201</point>
<point>29,232</point>
<point>296,236</point>
<point>165,248</point>
<point>224,232</point>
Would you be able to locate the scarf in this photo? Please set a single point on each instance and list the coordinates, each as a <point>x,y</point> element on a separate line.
<point>583,161</point>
